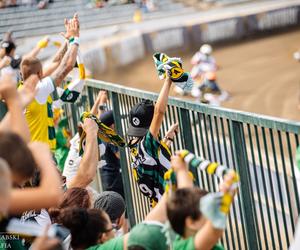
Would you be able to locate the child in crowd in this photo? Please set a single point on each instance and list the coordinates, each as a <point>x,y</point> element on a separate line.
<point>187,212</point>
<point>150,156</point>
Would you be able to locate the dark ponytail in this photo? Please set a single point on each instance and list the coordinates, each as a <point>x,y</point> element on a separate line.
<point>73,197</point>
<point>86,225</point>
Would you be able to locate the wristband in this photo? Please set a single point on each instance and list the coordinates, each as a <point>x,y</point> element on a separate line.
<point>43,43</point>
<point>74,40</point>
<point>103,107</point>
<point>169,139</point>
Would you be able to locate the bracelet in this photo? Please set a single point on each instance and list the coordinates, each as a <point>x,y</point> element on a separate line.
<point>74,40</point>
<point>103,107</point>
<point>169,139</point>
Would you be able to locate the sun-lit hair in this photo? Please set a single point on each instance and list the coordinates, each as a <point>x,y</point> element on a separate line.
<point>30,65</point>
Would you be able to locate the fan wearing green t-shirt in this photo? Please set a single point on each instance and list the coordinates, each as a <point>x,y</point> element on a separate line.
<point>150,234</point>
<point>185,210</point>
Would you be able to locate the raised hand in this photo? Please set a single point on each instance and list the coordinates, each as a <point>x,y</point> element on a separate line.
<point>72,27</point>
<point>103,96</point>
<point>227,185</point>
<point>90,127</point>
<point>172,131</point>
<point>178,163</point>
<point>43,43</point>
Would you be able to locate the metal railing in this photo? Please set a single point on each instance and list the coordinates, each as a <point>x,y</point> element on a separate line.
<point>260,148</point>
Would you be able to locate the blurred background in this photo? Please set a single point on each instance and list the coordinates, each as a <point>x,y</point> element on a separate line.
<point>253,43</point>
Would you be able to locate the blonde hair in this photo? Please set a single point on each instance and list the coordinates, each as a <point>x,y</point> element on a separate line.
<point>30,65</point>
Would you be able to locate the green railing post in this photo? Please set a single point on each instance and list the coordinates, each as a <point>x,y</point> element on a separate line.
<point>186,131</point>
<point>123,159</point>
<point>90,96</point>
<point>248,234</point>
<point>248,204</point>
<point>74,117</point>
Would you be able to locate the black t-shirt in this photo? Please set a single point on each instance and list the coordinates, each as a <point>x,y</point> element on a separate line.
<point>112,163</point>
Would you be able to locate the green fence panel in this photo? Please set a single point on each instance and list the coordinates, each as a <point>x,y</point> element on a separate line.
<point>123,159</point>
<point>260,148</point>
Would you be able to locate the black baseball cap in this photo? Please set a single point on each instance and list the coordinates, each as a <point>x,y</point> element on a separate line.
<point>140,118</point>
<point>107,118</point>
<point>8,46</point>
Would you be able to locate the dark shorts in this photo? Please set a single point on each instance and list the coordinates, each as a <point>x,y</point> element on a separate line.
<point>112,181</point>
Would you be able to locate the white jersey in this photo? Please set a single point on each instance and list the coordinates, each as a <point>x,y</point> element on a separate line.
<point>73,159</point>
<point>200,58</point>
<point>40,217</point>
<point>203,63</point>
<point>8,70</point>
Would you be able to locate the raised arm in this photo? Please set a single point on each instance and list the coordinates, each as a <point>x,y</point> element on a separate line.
<point>160,108</point>
<point>183,177</point>
<point>37,49</point>
<point>209,235</point>
<point>169,136</point>
<point>47,71</point>
<point>88,164</point>
<point>69,59</point>
<point>184,180</point>
<point>15,120</point>
<point>49,192</point>
<point>101,100</point>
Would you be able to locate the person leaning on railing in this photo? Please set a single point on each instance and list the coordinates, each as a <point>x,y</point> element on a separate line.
<point>150,156</point>
<point>109,165</point>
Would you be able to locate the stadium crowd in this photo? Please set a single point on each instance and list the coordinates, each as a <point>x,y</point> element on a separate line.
<point>46,198</point>
<point>41,4</point>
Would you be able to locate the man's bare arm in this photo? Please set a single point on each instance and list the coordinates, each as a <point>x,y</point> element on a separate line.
<point>88,165</point>
<point>15,120</point>
<point>100,100</point>
<point>49,192</point>
<point>56,60</point>
<point>37,49</point>
<point>69,58</point>
<point>184,180</point>
<point>66,65</point>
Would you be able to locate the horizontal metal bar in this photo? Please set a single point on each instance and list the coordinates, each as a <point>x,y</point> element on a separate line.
<point>234,115</point>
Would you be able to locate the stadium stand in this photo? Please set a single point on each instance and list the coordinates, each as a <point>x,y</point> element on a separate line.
<point>179,164</point>
<point>30,22</point>
<point>204,4</point>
